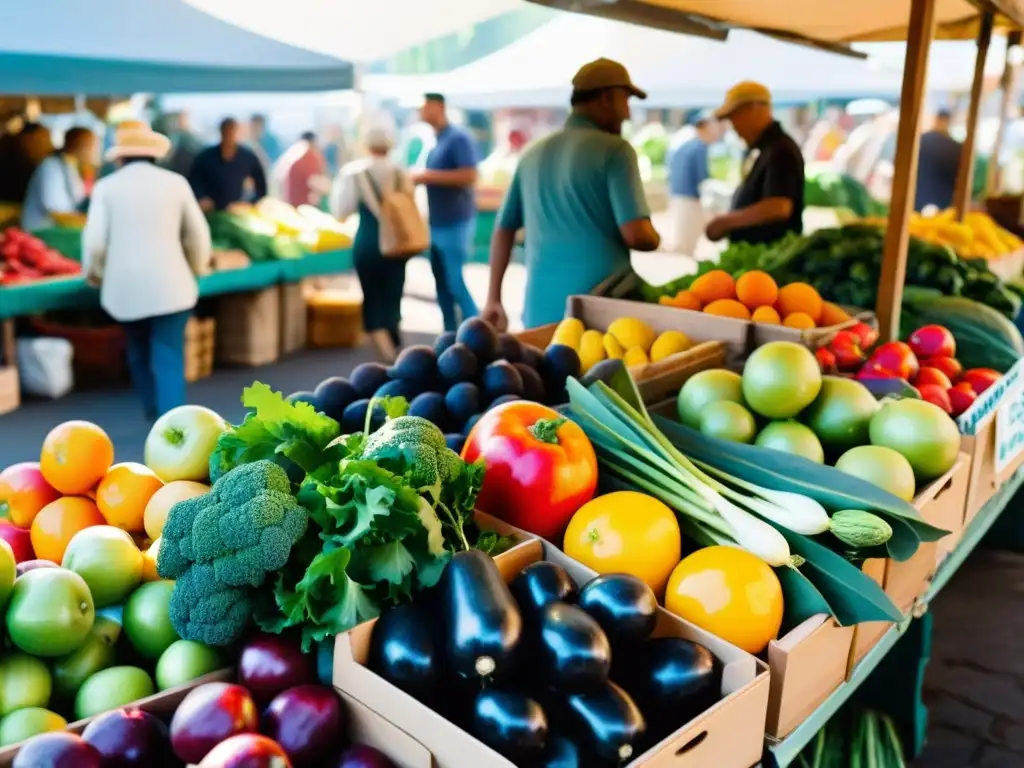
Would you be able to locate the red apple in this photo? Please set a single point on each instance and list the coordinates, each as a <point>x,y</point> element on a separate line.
<point>207,716</point>
<point>20,541</point>
<point>936,395</point>
<point>897,357</point>
<point>932,341</point>
<point>270,664</point>
<point>961,397</point>
<point>23,492</point>
<point>30,565</point>
<point>932,376</point>
<point>247,750</point>
<point>128,738</point>
<point>306,721</point>
<point>57,750</point>
<point>981,379</point>
<point>363,756</point>
<point>872,370</point>
<point>948,365</point>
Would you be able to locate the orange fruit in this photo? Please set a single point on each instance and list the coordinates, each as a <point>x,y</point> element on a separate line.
<point>149,558</point>
<point>799,297</point>
<point>686,300</point>
<point>756,289</point>
<point>728,308</point>
<point>58,522</point>
<point>714,285</point>
<point>766,315</point>
<point>800,320</point>
<point>832,314</point>
<point>160,503</point>
<point>124,492</point>
<point>729,592</point>
<point>75,456</point>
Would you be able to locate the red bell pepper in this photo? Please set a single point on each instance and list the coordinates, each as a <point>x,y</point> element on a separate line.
<point>541,467</point>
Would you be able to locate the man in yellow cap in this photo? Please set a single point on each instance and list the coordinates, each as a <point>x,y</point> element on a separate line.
<point>578,195</point>
<point>769,202</point>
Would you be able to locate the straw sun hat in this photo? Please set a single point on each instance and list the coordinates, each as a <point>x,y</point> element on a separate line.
<point>135,138</point>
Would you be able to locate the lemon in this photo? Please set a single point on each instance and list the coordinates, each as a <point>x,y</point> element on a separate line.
<point>612,348</point>
<point>669,343</point>
<point>635,357</point>
<point>630,332</point>
<point>591,350</point>
<point>569,332</point>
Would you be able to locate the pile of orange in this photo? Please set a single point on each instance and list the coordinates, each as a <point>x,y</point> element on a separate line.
<point>85,488</point>
<point>756,296</point>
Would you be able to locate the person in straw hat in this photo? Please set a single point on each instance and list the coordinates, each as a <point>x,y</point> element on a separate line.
<point>144,243</point>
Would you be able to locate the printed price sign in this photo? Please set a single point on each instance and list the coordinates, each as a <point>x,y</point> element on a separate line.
<point>1010,426</point>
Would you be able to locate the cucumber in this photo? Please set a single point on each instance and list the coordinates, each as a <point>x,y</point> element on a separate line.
<point>858,528</point>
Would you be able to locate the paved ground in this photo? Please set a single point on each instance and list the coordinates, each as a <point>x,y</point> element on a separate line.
<point>975,682</point>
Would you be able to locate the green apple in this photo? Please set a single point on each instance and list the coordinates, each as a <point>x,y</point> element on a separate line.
<point>110,689</point>
<point>24,682</point>
<point>184,661</point>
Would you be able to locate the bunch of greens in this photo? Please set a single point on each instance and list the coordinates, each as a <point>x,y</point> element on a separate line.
<point>854,737</point>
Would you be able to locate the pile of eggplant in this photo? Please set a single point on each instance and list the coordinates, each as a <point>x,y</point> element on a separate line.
<point>544,673</point>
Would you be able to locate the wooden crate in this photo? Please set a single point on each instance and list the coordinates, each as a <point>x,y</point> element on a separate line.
<point>334,319</point>
<point>200,346</point>
<point>248,328</point>
<point>294,328</point>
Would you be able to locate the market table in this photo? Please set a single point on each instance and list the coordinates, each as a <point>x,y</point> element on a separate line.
<point>785,751</point>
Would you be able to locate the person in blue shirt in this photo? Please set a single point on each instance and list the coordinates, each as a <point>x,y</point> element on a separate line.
<point>687,170</point>
<point>938,162</point>
<point>449,177</point>
<point>578,196</point>
<point>264,139</point>
<point>219,173</point>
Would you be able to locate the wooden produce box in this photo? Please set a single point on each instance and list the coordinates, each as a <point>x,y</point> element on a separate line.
<point>160,704</point>
<point>728,735</point>
<point>200,346</point>
<point>334,319</point>
<point>813,337</point>
<point>249,327</point>
<point>294,328</point>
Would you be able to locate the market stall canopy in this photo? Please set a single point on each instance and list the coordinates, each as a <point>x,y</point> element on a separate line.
<point>830,22</point>
<point>156,46</point>
<point>676,70</point>
<point>353,29</point>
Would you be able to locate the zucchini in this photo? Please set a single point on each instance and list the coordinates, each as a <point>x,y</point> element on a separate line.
<point>985,338</point>
<point>786,472</point>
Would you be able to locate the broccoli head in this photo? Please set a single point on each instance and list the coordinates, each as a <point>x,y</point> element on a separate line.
<point>222,545</point>
<point>413,444</point>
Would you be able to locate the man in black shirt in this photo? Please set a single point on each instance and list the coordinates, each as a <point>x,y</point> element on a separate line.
<point>770,200</point>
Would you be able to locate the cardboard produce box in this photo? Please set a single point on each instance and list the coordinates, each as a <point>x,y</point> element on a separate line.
<point>867,634</point>
<point>728,735</point>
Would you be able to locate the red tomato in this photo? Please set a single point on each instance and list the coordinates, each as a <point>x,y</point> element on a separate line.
<point>981,379</point>
<point>873,370</point>
<point>865,333</point>
<point>541,467</point>
<point>936,395</point>
<point>898,358</point>
<point>948,365</point>
<point>848,349</point>
<point>961,397</point>
<point>826,359</point>
<point>933,341</point>
<point>932,376</point>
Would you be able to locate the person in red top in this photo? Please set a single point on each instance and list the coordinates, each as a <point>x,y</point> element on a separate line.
<point>300,172</point>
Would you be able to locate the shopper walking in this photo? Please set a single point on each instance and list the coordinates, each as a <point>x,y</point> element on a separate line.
<point>358,188</point>
<point>449,177</point>
<point>220,173</point>
<point>144,244</point>
<point>579,197</point>
<point>57,185</point>
<point>938,163</point>
<point>687,170</point>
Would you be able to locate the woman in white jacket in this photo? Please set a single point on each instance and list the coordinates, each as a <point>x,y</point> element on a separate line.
<point>144,244</point>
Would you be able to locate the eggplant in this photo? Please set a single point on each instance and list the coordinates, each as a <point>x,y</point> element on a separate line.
<point>624,606</point>
<point>607,724</point>
<point>539,585</point>
<point>482,624</point>
<point>573,652</point>
<point>403,650</point>
<point>560,752</point>
<point>882,388</point>
<point>672,679</point>
<point>510,723</point>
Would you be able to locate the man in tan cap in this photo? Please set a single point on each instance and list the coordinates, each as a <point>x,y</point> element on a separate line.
<point>578,195</point>
<point>769,202</point>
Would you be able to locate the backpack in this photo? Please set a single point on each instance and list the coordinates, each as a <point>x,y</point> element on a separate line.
<point>403,232</point>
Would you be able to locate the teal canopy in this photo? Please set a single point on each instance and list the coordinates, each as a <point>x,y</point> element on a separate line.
<point>103,47</point>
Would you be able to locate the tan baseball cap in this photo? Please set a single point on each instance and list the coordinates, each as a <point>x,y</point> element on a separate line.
<point>604,73</point>
<point>743,93</point>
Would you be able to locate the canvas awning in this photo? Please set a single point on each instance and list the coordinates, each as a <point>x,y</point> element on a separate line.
<point>50,47</point>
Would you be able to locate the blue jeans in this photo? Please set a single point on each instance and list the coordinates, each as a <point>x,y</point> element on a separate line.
<point>449,249</point>
<point>156,359</point>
